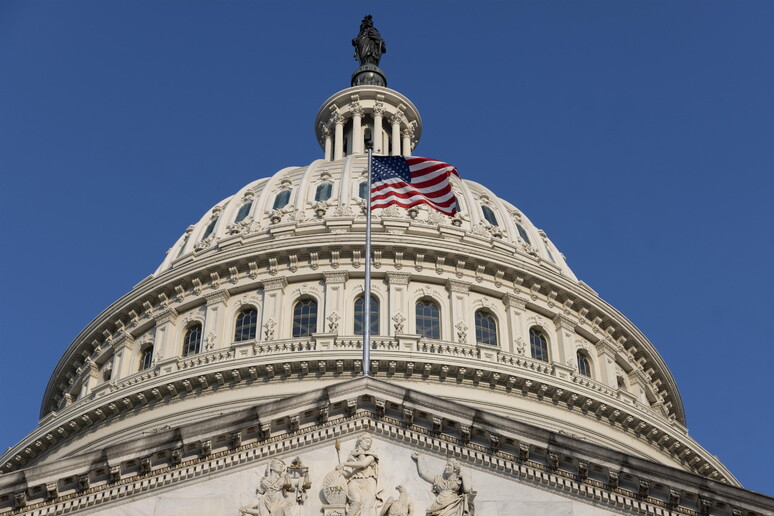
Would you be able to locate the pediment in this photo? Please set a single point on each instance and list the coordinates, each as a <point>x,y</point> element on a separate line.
<point>214,466</point>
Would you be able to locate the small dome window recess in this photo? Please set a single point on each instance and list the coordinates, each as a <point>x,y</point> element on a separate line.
<point>244,211</point>
<point>584,364</point>
<point>210,228</point>
<point>538,345</point>
<point>281,200</point>
<point>246,325</point>
<point>362,191</point>
<point>486,328</point>
<point>489,215</point>
<point>550,256</point>
<point>305,318</point>
<point>146,360</point>
<point>323,192</point>
<point>523,233</point>
<point>192,341</point>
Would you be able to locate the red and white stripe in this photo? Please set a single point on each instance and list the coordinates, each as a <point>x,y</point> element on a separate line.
<point>429,185</point>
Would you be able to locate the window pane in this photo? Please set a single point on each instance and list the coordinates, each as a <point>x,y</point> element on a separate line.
<point>486,328</point>
<point>210,228</point>
<point>282,199</point>
<point>147,359</point>
<point>243,212</point>
<point>246,324</point>
<point>489,215</point>
<point>359,316</point>
<point>523,233</point>
<point>192,341</point>
<point>428,320</point>
<point>305,318</point>
<point>584,366</point>
<point>538,345</point>
<point>323,192</point>
<point>363,190</point>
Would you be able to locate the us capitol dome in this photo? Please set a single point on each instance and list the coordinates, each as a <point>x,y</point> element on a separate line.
<point>248,336</point>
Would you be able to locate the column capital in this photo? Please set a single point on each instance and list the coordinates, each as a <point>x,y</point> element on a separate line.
<point>335,277</point>
<point>356,109</point>
<point>277,283</point>
<point>337,119</point>
<point>165,316</point>
<point>564,323</point>
<point>514,301</point>
<point>219,296</point>
<point>462,287</point>
<point>398,278</point>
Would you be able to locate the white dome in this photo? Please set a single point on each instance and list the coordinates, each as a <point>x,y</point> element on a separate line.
<point>249,214</point>
<point>175,349</point>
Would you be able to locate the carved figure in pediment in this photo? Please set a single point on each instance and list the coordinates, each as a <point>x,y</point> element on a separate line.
<point>278,480</point>
<point>399,506</point>
<point>453,492</point>
<point>361,471</point>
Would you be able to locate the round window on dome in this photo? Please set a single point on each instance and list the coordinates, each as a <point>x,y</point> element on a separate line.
<point>323,192</point>
<point>489,215</point>
<point>281,200</point>
<point>243,212</point>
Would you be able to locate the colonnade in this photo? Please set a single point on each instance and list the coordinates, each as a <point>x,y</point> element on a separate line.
<point>394,138</point>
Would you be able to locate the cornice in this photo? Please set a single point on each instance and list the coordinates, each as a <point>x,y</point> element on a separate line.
<point>523,453</point>
<point>429,361</point>
<point>489,268</point>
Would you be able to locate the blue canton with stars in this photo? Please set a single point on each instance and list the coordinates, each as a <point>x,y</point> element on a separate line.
<point>390,167</point>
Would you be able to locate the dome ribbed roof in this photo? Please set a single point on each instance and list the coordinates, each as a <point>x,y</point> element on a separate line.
<point>251,214</point>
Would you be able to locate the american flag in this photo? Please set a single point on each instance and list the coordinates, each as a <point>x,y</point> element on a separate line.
<point>411,180</point>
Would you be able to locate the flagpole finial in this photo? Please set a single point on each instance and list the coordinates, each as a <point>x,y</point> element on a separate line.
<point>369,47</point>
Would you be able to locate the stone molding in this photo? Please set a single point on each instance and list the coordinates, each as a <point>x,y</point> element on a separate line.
<point>522,453</point>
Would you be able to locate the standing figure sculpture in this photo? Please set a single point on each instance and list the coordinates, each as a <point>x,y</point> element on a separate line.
<point>369,45</point>
<point>362,479</point>
<point>452,489</point>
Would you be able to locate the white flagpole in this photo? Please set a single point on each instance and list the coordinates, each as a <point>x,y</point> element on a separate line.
<point>367,287</point>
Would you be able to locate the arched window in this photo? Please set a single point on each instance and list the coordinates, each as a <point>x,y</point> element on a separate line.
<point>282,200</point>
<point>362,190</point>
<point>305,318</point>
<point>323,192</point>
<point>243,212</point>
<point>246,325</point>
<point>486,328</point>
<point>210,228</point>
<point>428,319</point>
<point>146,359</point>
<point>489,215</point>
<point>584,365</point>
<point>192,341</point>
<point>538,345</point>
<point>360,315</point>
<point>523,233</point>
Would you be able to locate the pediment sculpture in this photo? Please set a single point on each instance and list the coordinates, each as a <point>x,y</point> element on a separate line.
<point>282,490</point>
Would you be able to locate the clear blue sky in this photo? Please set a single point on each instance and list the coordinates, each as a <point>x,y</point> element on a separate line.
<point>638,135</point>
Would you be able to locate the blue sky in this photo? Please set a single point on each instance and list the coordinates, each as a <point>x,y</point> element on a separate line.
<point>638,135</point>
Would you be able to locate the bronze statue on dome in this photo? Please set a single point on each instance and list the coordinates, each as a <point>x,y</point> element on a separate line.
<point>369,45</point>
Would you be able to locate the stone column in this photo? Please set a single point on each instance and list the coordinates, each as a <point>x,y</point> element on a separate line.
<point>377,133</point>
<point>338,143</point>
<point>407,142</point>
<point>517,340</point>
<point>214,332</point>
<point>164,346</point>
<point>395,121</point>
<point>334,310</point>
<point>397,303</point>
<point>123,349</point>
<point>606,359</point>
<point>272,324</point>
<point>460,324</point>
<point>326,132</point>
<point>357,129</point>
